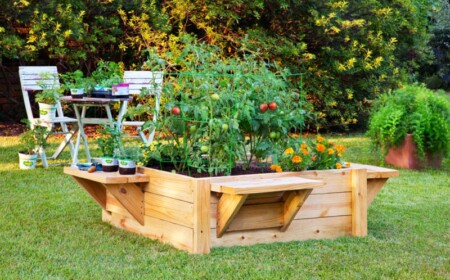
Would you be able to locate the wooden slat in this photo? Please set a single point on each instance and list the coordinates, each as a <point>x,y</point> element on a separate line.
<point>96,190</point>
<point>257,217</point>
<point>201,215</point>
<point>168,184</point>
<point>169,209</point>
<point>376,171</point>
<point>265,185</point>
<point>269,214</point>
<point>131,197</point>
<point>373,187</point>
<point>107,177</point>
<point>359,202</point>
<point>178,236</point>
<point>331,227</point>
<point>293,202</point>
<point>114,205</point>
<point>227,208</point>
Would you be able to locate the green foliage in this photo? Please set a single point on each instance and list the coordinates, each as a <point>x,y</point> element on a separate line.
<point>350,51</point>
<point>110,141</point>
<point>415,110</point>
<point>107,74</point>
<point>50,89</point>
<point>76,80</point>
<point>211,116</point>
<point>32,139</point>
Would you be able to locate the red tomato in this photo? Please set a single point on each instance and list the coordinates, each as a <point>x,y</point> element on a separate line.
<point>176,111</point>
<point>272,106</point>
<point>263,107</point>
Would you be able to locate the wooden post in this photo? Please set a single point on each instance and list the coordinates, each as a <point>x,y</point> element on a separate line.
<point>359,202</point>
<point>202,205</point>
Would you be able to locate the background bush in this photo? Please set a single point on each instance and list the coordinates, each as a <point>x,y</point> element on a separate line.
<point>350,51</point>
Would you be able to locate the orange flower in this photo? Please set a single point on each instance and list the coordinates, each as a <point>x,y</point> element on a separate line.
<point>305,152</point>
<point>273,167</point>
<point>338,165</point>
<point>340,148</point>
<point>320,148</point>
<point>279,169</point>
<point>296,159</point>
<point>330,151</point>
<point>313,158</point>
<point>289,151</point>
<point>304,146</point>
<point>319,138</point>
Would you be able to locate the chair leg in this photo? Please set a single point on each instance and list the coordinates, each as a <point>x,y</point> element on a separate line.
<point>43,157</point>
<point>67,141</point>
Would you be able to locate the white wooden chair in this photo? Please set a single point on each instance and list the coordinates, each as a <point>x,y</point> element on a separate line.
<point>30,78</point>
<point>152,81</point>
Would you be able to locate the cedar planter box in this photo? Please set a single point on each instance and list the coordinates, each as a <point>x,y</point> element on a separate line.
<point>196,214</point>
<point>405,156</point>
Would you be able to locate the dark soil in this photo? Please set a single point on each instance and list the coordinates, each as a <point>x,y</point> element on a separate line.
<point>192,172</point>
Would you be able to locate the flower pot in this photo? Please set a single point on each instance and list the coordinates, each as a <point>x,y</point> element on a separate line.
<point>405,156</point>
<point>27,161</point>
<point>127,166</point>
<point>110,164</point>
<point>77,93</point>
<point>47,112</point>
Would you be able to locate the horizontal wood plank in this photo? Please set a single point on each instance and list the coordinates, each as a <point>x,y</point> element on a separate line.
<point>107,177</point>
<point>331,227</point>
<point>169,209</point>
<point>265,185</point>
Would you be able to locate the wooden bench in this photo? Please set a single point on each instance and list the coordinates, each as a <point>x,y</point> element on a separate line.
<point>127,189</point>
<point>296,191</point>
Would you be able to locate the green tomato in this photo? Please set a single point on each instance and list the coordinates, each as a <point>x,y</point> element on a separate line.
<point>204,149</point>
<point>225,127</point>
<point>273,135</point>
<point>215,97</point>
<point>192,128</point>
<point>278,135</point>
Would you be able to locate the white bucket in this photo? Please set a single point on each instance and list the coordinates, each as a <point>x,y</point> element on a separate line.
<point>27,161</point>
<point>47,112</point>
<point>77,92</point>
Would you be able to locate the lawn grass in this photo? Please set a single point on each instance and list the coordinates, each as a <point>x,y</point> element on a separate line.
<point>51,229</point>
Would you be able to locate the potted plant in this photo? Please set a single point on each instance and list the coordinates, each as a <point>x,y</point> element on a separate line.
<point>48,97</point>
<point>105,76</point>
<point>411,126</point>
<point>30,142</point>
<point>76,83</point>
<point>109,143</point>
<point>129,156</point>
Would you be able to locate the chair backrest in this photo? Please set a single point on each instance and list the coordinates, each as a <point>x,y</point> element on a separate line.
<point>31,79</point>
<point>144,79</point>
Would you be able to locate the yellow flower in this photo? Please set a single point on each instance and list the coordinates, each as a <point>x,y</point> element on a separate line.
<point>320,148</point>
<point>279,169</point>
<point>296,159</point>
<point>305,152</point>
<point>340,148</point>
<point>347,164</point>
<point>330,151</point>
<point>338,165</point>
<point>273,167</point>
<point>304,146</point>
<point>289,151</point>
<point>319,138</point>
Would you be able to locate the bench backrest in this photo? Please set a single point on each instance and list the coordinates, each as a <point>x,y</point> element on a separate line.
<point>144,79</point>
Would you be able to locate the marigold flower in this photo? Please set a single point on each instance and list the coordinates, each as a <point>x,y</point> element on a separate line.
<point>305,152</point>
<point>330,151</point>
<point>319,138</point>
<point>289,151</point>
<point>296,159</point>
<point>304,146</point>
<point>273,167</point>
<point>313,158</point>
<point>340,148</point>
<point>320,148</point>
<point>279,169</point>
<point>338,165</point>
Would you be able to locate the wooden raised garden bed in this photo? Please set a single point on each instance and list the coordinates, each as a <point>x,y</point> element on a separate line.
<point>196,214</point>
